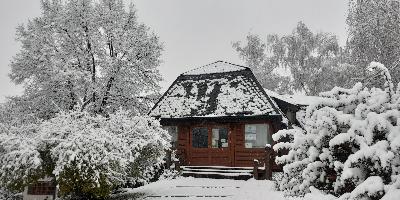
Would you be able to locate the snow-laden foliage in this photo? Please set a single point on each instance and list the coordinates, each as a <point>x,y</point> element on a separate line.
<point>91,54</point>
<point>374,28</point>
<point>8,195</point>
<point>300,61</point>
<point>20,160</point>
<point>349,143</point>
<point>88,155</point>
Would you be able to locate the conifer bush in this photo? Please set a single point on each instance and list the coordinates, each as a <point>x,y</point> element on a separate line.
<point>348,144</point>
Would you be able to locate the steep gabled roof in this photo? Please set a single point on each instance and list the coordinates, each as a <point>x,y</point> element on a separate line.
<point>219,89</point>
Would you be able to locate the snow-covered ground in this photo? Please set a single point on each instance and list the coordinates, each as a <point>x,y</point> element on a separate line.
<point>202,188</point>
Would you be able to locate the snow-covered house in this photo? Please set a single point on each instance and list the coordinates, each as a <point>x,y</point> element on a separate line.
<point>219,115</point>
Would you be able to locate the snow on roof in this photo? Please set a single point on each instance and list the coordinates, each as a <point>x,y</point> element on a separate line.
<point>297,99</point>
<point>304,100</point>
<point>215,67</point>
<point>226,93</point>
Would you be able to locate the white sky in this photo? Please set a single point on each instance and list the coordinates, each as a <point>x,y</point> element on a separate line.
<point>194,32</point>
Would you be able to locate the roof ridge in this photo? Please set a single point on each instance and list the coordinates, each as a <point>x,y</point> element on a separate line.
<point>218,61</point>
<point>202,66</point>
<point>233,64</point>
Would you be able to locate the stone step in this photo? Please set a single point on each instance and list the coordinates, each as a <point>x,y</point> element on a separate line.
<point>218,168</point>
<point>218,176</point>
<point>217,172</point>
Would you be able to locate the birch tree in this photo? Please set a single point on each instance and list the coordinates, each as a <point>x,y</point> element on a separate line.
<point>374,35</point>
<point>314,61</point>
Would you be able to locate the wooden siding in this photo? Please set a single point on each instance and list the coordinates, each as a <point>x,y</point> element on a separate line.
<point>183,144</point>
<point>244,157</point>
<point>236,155</point>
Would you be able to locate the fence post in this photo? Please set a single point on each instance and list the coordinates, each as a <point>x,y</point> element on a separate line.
<point>168,159</point>
<point>268,162</point>
<point>255,169</point>
<point>177,165</point>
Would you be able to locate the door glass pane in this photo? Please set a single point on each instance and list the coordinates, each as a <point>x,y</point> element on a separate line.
<point>257,135</point>
<point>219,138</point>
<point>200,137</point>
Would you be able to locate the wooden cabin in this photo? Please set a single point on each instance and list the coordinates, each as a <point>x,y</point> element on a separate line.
<point>219,115</point>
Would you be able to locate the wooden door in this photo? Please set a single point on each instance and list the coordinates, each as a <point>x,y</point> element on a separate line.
<point>198,146</point>
<point>219,151</point>
<point>210,145</point>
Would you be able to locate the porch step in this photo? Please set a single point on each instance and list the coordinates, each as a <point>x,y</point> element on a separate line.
<point>218,172</point>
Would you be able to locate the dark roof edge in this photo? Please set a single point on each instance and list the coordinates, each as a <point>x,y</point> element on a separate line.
<point>225,118</point>
<point>298,106</point>
<point>294,104</point>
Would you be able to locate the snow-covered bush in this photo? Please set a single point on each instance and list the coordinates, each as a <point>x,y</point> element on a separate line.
<point>348,145</point>
<point>88,155</point>
<point>20,161</point>
<point>9,195</point>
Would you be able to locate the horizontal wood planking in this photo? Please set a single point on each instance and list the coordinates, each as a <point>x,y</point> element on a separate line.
<point>235,155</point>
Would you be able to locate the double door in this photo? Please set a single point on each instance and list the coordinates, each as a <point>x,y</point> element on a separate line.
<point>210,146</point>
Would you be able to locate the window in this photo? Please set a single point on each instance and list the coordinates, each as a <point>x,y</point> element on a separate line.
<point>219,138</point>
<point>173,131</point>
<point>200,137</point>
<point>257,135</point>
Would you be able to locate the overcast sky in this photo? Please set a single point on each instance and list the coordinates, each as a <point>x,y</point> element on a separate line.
<point>194,32</point>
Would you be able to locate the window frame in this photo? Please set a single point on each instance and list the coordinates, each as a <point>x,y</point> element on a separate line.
<point>192,137</point>
<point>209,135</point>
<point>269,134</point>
<point>227,135</point>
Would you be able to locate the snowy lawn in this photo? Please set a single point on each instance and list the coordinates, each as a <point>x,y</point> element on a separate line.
<point>202,188</point>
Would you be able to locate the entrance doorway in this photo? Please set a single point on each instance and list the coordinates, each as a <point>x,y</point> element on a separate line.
<point>210,146</point>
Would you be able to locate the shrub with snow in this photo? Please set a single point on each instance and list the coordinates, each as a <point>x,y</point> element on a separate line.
<point>20,161</point>
<point>88,155</point>
<point>348,145</point>
<point>8,195</point>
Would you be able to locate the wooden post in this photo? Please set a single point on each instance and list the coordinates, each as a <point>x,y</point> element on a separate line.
<point>168,159</point>
<point>177,165</point>
<point>255,169</point>
<point>268,167</point>
<point>268,162</point>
